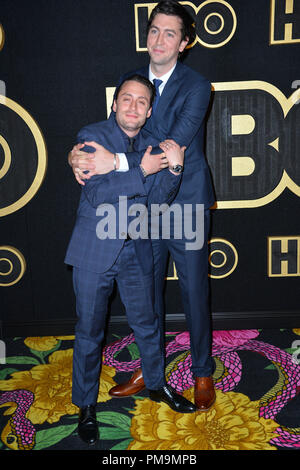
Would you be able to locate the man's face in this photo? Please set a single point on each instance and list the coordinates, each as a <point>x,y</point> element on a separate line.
<point>164,41</point>
<point>132,107</point>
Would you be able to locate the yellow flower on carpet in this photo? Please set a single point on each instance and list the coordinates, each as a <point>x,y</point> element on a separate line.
<point>51,385</point>
<point>44,343</point>
<point>233,423</point>
<point>296,331</point>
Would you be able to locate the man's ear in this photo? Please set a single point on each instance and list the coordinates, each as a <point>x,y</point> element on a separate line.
<point>114,106</point>
<point>149,112</point>
<point>183,44</point>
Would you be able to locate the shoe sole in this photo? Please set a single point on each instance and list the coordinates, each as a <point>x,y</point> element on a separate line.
<point>204,410</point>
<point>172,408</point>
<point>126,396</point>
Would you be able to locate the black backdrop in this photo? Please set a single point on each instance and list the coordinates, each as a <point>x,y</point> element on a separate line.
<point>56,61</point>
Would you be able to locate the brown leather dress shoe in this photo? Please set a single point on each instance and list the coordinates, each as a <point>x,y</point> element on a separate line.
<point>134,385</point>
<point>204,393</point>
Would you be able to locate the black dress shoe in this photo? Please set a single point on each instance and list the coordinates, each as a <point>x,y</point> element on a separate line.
<point>87,425</point>
<point>168,395</point>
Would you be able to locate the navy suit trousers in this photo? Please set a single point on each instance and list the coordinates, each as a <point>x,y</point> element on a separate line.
<point>192,271</point>
<point>92,292</point>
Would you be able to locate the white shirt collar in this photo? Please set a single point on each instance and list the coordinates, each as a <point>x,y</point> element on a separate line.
<point>164,77</point>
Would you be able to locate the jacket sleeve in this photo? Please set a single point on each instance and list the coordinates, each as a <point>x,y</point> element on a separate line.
<point>164,188</point>
<point>100,189</point>
<point>191,115</point>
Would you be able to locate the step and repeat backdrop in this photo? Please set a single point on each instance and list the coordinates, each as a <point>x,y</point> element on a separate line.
<point>59,65</point>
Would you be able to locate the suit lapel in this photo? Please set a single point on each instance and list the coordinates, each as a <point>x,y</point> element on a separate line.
<point>112,134</point>
<point>170,88</point>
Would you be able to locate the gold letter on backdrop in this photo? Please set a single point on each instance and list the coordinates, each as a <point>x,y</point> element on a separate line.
<point>215,23</point>
<point>285,22</point>
<point>284,256</point>
<point>223,258</point>
<point>12,266</point>
<point>252,142</point>
<point>24,150</point>
<point>2,37</point>
<point>22,170</point>
<point>13,194</point>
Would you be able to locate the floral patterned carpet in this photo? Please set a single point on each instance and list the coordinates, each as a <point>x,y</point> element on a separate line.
<point>257,378</point>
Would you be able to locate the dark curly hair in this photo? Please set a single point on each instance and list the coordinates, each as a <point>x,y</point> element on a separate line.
<point>172,7</point>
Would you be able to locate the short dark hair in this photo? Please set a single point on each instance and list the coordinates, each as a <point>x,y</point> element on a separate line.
<point>140,79</point>
<point>172,7</point>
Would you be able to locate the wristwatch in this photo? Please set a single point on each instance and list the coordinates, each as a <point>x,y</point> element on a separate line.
<point>143,171</point>
<point>177,168</point>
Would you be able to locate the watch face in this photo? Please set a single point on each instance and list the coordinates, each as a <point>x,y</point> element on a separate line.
<point>177,168</point>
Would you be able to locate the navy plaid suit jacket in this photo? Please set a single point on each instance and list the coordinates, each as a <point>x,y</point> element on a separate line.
<point>85,249</point>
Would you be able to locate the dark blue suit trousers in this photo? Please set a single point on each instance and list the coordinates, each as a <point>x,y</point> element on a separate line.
<point>192,271</point>
<point>92,293</point>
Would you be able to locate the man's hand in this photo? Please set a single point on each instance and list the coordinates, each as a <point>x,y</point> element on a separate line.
<point>98,163</point>
<point>80,162</point>
<point>104,159</point>
<point>153,163</point>
<point>174,153</point>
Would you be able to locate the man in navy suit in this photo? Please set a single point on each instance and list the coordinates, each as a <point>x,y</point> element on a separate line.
<point>104,248</point>
<point>179,115</point>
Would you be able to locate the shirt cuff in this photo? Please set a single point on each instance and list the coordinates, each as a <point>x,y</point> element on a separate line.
<point>123,162</point>
<point>142,174</point>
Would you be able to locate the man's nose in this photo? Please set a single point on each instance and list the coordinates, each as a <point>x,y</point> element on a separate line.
<point>133,104</point>
<point>159,38</point>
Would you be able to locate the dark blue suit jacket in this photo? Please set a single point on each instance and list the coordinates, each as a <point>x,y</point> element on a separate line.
<point>85,249</point>
<point>180,115</point>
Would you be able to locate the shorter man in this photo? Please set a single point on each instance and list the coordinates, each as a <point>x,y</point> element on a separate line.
<point>99,259</point>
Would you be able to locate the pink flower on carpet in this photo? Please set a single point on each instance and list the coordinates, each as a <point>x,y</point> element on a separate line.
<point>222,337</point>
<point>183,338</point>
<point>233,337</point>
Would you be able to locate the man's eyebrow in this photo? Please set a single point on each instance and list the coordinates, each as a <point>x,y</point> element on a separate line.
<point>130,94</point>
<point>167,29</point>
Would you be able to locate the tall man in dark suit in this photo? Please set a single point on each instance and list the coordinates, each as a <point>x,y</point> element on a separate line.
<point>105,247</point>
<point>179,115</point>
